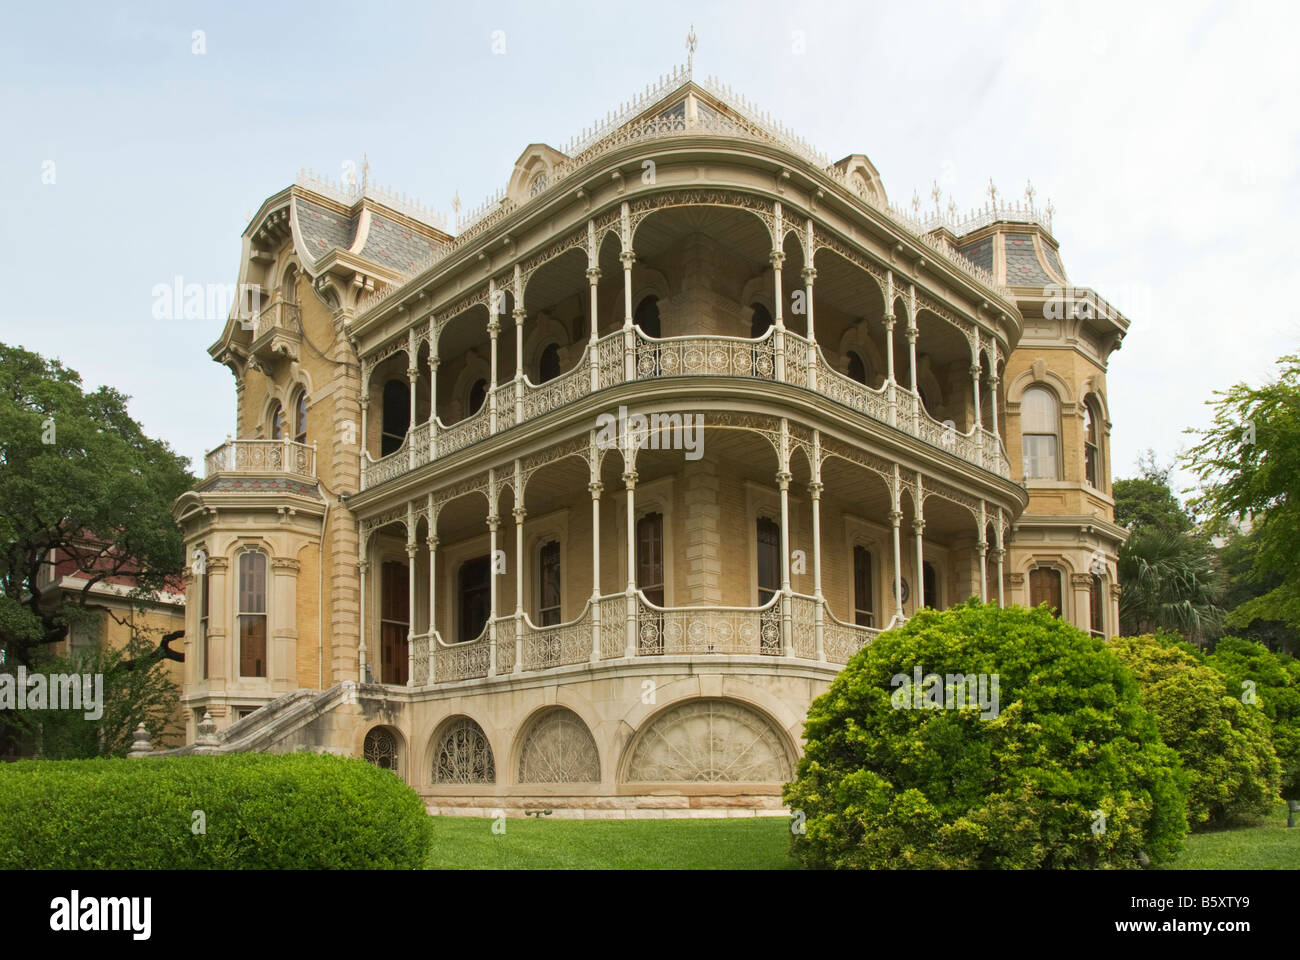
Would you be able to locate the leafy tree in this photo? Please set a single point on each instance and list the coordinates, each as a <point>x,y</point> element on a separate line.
<point>1170,582</point>
<point>1069,773</point>
<point>1248,461</point>
<point>1225,745</point>
<point>81,483</point>
<point>1246,583</point>
<point>1147,502</point>
<point>1271,680</point>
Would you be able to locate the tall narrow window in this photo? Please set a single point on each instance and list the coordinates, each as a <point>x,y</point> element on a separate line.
<point>1090,448</point>
<point>394,622</point>
<point>475,596</point>
<point>1045,587</point>
<point>1097,607</point>
<point>277,423</point>
<point>252,614</point>
<point>864,606</point>
<point>769,559</point>
<point>300,418</point>
<point>1038,434</point>
<point>650,557</point>
<point>930,584</point>
<point>548,365</point>
<point>650,581</point>
<point>548,584</point>
<point>477,395</point>
<point>205,605</point>
<point>397,416</point>
<point>760,321</point>
<point>647,316</point>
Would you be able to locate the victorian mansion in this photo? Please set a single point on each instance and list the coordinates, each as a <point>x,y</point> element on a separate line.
<point>424,544</point>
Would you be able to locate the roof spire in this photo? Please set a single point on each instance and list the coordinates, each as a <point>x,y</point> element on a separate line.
<point>691,42</point>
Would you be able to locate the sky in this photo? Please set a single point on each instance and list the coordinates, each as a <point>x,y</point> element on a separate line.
<point>1167,136</point>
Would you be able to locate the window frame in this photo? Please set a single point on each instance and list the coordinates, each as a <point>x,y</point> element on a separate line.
<point>1055,435</point>
<point>557,609</point>
<point>242,615</point>
<point>864,578</point>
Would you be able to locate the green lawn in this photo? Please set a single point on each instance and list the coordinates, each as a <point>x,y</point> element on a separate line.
<point>759,843</point>
<point>1264,846</point>
<point>748,843</point>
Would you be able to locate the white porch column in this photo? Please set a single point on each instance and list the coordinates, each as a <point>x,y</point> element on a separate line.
<point>518,316</point>
<point>889,357</point>
<point>999,554</point>
<point>629,337</point>
<point>411,550</point>
<point>364,446</point>
<point>433,402</point>
<point>809,275</point>
<point>595,488</point>
<point>982,546</point>
<point>520,514</point>
<point>363,565</point>
<point>412,380</point>
<point>815,493</point>
<point>896,518</point>
<point>432,545</point>
<point>787,634</point>
<point>593,278</point>
<point>494,524</point>
<point>629,481</point>
<point>918,528</point>
<point>494,328</point>
<point>776,258</point>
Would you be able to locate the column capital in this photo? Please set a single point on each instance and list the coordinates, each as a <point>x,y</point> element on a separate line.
<point>815,489</point>
<point>520,513</point>
<point>364,400</point>
<point>982,546</point>
<point>363,567</point>
<point>629,478</point>
<point>918,527</point>
<point>783,477</point>
<point>998,554</point>
<point>975,371</point>
<point>434,361</point>
<point>493,327</point>
<point>1081,580</point>
<point>494,522</point>
<point>889,320</point>
<point>593,275</point>
<point>627,258</point>
<point>809,274</point>
<point>412,373</point>
<point>595,488</point>
<point>994,380</point>
<point>411,549</point>
<point>216,564</point>
<point>432,542</point>
<point>776,258</point>
<point>519,315</point>
<point>895,517</point>
<point>910,332</point>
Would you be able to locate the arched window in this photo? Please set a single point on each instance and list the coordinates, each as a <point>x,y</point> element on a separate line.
<point>397,416</point>
<point>647,316</point>
<point>760,322</point>
<point>277,423</point>
<point>289,285</point>
<point>1091,450</point>
<point>858,369</point>
<point>1097,607</point>
<point>475,588</point>
<point>548,584</point>
<point>380,748</point>
<point>650,557</point>
<point>540,183</point>
<point>300,418</point>
<point>252,614</point>
<point>477,395</point>
<point>548,365</point>
<point>864,607</point>
<point>462,754</point>
<point>1038,434</point>
<point>769,559</point>
<point>930,586</point>
<point>205,607</point>
<point>1045,587</point>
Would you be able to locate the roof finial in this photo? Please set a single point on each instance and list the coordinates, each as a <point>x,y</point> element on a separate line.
<point>1029,193</point>
<point>365,172</point>
<point>691,41</point>
<point>935,193</point>
<point>993,194</point>
<point>916,204</point>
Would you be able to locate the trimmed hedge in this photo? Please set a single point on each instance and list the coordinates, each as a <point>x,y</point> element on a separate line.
<point>881,786</point>
<point>262,812</point>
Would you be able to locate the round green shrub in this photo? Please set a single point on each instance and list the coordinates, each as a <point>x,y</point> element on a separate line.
<point>258,811</point>
<point>1276,691</point>
<point>1069,773</point>
<point>1225,745</point>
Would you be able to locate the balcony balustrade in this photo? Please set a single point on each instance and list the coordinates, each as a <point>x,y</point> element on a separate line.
<point>617,627</point>
<point>262,458</point>
<point>276,330</point>
<point>623,357</point>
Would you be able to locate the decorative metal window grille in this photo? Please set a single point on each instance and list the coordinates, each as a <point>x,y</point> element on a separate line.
<point>463,755</point>
<point>559,749</point>
<point>381,749</point>
<point>709,741</point>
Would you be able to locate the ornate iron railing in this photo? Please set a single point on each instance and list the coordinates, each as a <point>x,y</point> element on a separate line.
<point>461,661</point>
<point>558,645</point>
<point>262,457</point>
<point>655,358</point>
<point>842,640</point>
<point>703,631</point>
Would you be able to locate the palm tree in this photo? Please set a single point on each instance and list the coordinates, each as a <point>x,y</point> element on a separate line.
<point>1170,582</point>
